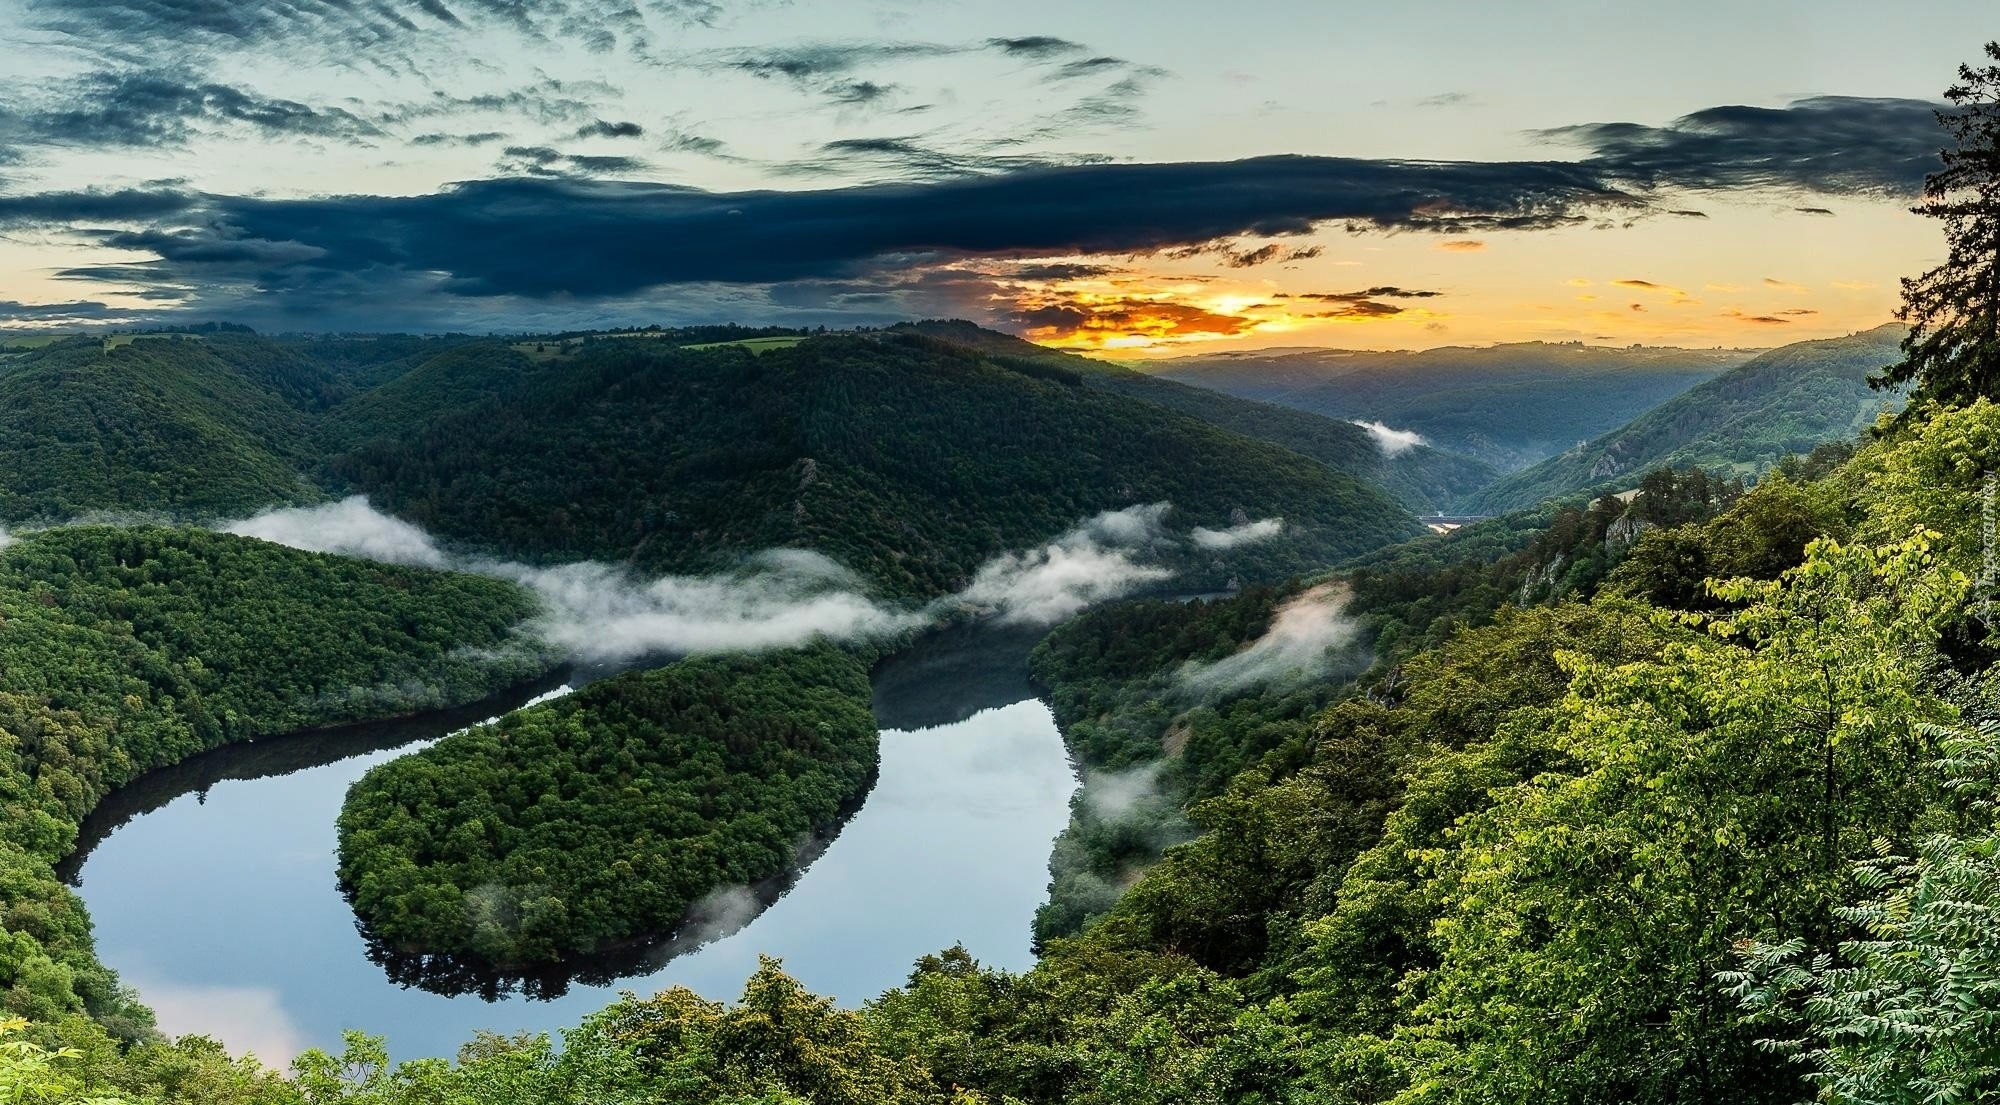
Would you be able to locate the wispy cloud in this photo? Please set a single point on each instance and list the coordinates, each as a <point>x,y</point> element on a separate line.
<point>1391,441</point>
<point>1308,636</point>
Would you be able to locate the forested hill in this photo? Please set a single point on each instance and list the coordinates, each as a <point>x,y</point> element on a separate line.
<point>1740,423</point>
<point>907,459</point>
<point>671,451</point>
<point>1421,478</point>
<point>1509,405</point>
<point>188,426</point>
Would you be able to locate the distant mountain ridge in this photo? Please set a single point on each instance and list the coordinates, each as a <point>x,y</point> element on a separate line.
<point>1507,405</point>
<point>1782,402</point>
<point>1422,478</point>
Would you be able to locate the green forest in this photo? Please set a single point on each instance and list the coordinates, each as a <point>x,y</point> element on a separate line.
<point>569,829</point>
<point>1614,842</point>
<point>865,448</point>
<point>680,451</point>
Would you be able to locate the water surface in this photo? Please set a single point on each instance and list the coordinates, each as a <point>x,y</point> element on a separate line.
<point>213,891</point>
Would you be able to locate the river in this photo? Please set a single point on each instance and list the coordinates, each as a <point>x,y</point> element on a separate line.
<point>212,885</point>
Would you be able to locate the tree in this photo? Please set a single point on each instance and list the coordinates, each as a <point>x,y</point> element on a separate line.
<point>1952,353</point>
<point>34,1075</point>
<point>1906,1013</point>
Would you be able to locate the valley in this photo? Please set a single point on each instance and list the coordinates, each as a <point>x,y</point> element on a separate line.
<point>669,552</point>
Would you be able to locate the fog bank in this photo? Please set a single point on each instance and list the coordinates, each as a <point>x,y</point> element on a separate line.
<point>1100,559</point>
<point>1391,441</point>
<point>1249,533</point>
<point>349,527</point>
<point>604,613</point>
<point>1307,637</point>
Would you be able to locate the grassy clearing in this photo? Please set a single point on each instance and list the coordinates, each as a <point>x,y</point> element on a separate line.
<point>754,345</point>
<point>21,343</point>
<point>117,340</point>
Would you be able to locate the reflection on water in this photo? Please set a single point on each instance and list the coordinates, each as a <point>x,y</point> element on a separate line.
<point>218,899</point>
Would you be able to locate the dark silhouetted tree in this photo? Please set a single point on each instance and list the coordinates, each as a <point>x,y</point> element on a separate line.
<point>1952,353</point>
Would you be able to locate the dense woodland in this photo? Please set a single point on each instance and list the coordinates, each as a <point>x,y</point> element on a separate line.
<point>1587,849</point>
<point>666,451</point>
<point>572,828</point>
<point>1424,479</point>
<point>864,448</point>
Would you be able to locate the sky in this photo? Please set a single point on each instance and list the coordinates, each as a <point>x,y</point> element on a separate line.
<point>1153,178</point>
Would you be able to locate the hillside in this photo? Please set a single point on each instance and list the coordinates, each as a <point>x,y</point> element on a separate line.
<point>1740,423</point>
<point>194,427</point>
<point>1508,405</point>
<point>873,450</point>
<point>1421,478</point>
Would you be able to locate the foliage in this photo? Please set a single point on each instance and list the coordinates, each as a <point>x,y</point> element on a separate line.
<point>1905,1011</point>
<point>31,1074</point>
<point>600,818</point>
<point>195,428</point>
<point>1720,790</point>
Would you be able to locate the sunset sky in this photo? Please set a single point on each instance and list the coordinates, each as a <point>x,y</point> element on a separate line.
<point>1158,178</point>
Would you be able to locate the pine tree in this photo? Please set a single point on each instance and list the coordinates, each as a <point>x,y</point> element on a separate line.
<point>1952,353</point>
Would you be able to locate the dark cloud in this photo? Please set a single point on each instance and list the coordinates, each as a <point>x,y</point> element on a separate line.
<point>476,138</point>
<point>359,32</point>
<point>1058,270</point>
<point>1383,291</point>
<point>1757,320</point>
<point>807,62</point>
<point>1084,67</point>
<point>826,69</point>
<point>1813,210</point>
<point>547,161</point>
<point>907,158</point>
<point>1036,46</point>
<point>164,108</point>
<point>547,101</point>
<point>551,235</point>
<point>1361,308</point>
<point>684,142</point>
<point>80,310</point>
<point>1364,303</point>
<point>558,237</point>
<point>91,205</point>
<point>1244,258</point>
<point>1840,145</point>
<point>858,92</point>
<point>1689,214</point>
<point>1152,318</point>
<point>604,128</point>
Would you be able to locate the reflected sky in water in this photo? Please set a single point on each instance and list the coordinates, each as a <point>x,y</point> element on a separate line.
<point>222,908</point>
